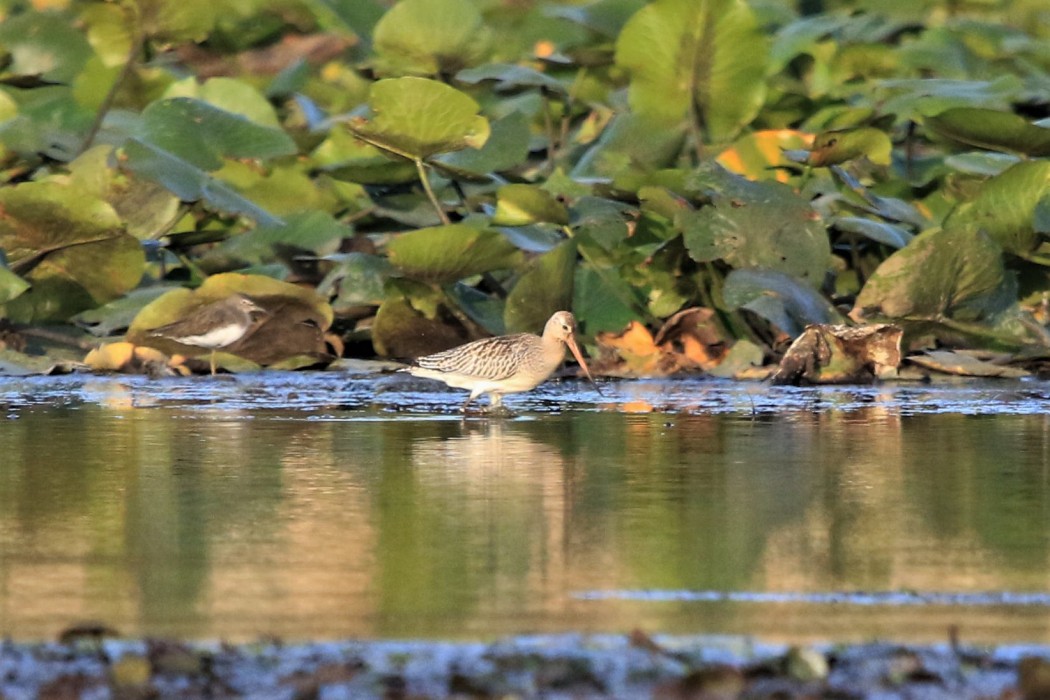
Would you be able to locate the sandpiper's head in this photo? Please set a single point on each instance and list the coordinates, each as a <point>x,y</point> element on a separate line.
<point>562,327</point>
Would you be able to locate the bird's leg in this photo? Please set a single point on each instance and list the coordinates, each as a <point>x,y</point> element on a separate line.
<point>495,401</point>
<point>213,362</point>
<point>463,408</point>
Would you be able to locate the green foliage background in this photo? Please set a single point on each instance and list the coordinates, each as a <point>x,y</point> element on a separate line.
<point>442,169</point>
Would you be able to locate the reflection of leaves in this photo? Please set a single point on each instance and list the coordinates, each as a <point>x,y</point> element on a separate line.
<point>685,52</point>
<point>69,246</point>
<point>444,254</point>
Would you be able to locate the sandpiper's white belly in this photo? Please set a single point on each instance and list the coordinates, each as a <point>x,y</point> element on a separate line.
<point>215,338</point>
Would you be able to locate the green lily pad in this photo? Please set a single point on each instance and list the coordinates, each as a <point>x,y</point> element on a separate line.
<point>416,118</point>
<point>344,157</point>
<point>507,147</point>
<point>428,37</point>
<point>602,300</point>
<point>1005,207</point>
<point>755,224</point>
<point>690,54</point>
<point>185,20</point>
<point>955,273</point>
<point>520,205</point>
<point>508,76</point>
<point>188,182</point>
<point>11,285</point>
<point>118,314</point>
<point>358,280</point>
<point>203,135</point>
<point>400,330</point>
<point>788,303</point>
<point>146,207</point>
<point>991,129</point>
<point>445,254</point>
<point>229,95</point>
<point>633,144</point>
<point>71,248</point>
<point>545,287</point>
<point>915,98</point>
<point>43,45</point>
<point>312,232</point>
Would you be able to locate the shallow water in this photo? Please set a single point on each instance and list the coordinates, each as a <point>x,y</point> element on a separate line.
<point>330,505</point>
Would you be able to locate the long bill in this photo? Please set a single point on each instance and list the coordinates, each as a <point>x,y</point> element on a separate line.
<point>571,342</point>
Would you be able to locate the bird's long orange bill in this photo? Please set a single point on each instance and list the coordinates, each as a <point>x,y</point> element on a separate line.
<point>571,342</point>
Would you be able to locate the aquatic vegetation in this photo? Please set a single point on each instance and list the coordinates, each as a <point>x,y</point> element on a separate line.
<point>435,171</point>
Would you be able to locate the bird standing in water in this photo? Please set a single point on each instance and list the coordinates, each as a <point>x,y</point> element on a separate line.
<point>505,364</point>
<point>213,326</point>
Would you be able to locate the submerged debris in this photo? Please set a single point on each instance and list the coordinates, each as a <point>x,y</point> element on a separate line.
<point>557,666</point>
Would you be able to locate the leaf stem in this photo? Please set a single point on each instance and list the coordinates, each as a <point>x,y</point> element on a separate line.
<point>430,191</point>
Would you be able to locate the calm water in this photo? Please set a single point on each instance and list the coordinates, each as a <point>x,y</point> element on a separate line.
<point>316,506</point>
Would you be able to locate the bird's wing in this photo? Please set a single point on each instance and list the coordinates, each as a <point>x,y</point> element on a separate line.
<point>488,358</point>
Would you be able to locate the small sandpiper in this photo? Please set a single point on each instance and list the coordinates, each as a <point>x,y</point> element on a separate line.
<point>505,364</point>
<point>217,325</point>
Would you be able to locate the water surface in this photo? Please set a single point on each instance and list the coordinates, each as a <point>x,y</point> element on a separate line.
<point>327,505</point>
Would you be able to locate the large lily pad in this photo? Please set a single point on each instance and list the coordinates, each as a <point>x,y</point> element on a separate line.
<point>43,45</point>
<point>295,326</point>
<point>520,205</point>
<point>545,287</point>
<point>400,330</point>
<point>203,135</point>
<point>955,273</point>
<point>416,118</point>
<point>755,224</point>
<point>991,129</point>
<point>784,301</point>
<point>707,55</point>
<point>427,37</point>
<point>444,254</point>
<point>188,182</point>
<point>1005,208</point>
<point>69,245</point>
<point>507,147</point>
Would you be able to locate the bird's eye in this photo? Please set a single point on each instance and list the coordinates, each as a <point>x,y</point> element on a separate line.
<point>566,329</point>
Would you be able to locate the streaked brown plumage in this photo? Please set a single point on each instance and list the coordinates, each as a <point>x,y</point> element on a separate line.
<point>506,364</point>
